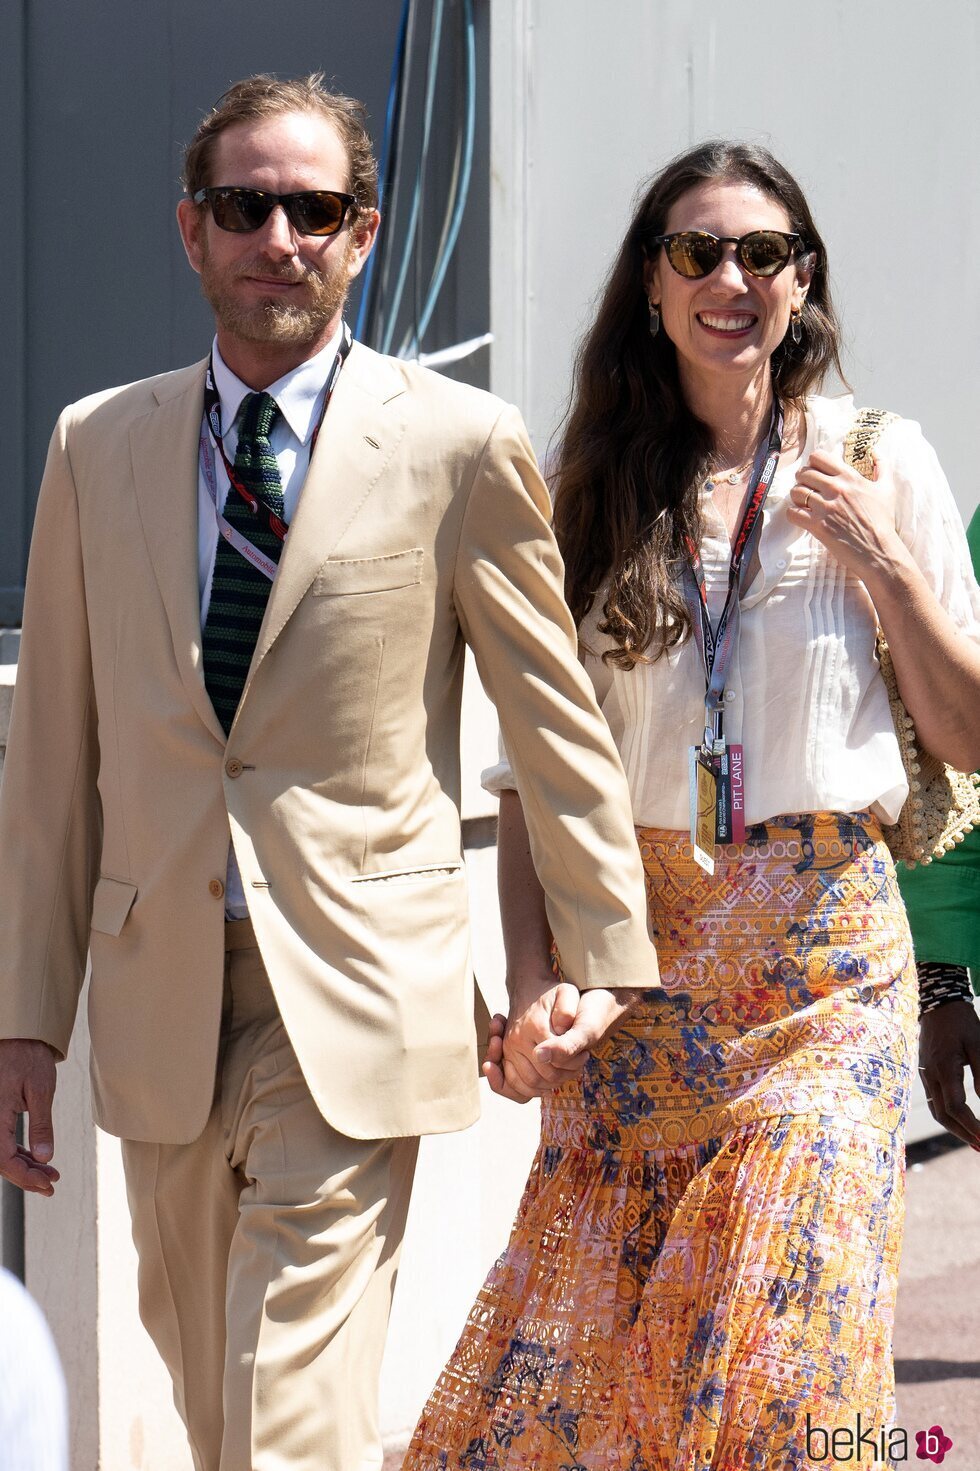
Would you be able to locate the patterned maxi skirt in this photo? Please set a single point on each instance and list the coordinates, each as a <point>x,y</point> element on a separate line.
<point>707,1248</point>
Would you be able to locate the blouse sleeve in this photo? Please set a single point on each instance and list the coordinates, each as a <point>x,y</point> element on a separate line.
<point>928,521</point>
<point>499,778</point>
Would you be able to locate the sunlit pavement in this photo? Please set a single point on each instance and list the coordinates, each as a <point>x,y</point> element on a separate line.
<point>937,1339</point>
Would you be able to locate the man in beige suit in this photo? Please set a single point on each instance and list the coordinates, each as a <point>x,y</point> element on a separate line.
<point>253,824</point>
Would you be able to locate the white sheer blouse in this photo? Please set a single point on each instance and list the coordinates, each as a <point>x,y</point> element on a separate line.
<point>805,697</point>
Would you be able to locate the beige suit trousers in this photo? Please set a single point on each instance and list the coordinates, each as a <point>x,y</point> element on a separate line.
<point>268,1249</point>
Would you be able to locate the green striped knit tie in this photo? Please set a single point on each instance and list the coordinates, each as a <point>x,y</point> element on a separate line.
<point>239,591</point>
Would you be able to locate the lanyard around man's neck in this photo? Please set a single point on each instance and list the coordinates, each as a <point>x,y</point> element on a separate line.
<point>211,439</point>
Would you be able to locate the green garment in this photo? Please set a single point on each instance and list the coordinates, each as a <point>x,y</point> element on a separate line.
<point>943,897</point>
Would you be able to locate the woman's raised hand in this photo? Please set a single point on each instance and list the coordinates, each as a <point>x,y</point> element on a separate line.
<point>853,517</point>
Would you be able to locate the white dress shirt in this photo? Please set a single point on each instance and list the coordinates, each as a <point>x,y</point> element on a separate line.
<point>299,396</point>
<point>805,697</point>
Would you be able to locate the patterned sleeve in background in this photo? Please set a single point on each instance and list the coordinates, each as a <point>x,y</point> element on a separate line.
<point>33,1400</point>
<point>940,983</point>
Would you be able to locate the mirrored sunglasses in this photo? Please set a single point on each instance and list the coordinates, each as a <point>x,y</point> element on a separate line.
<point>695,253</point>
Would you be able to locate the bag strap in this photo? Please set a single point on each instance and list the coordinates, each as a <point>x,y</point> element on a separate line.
<point>863,435</point>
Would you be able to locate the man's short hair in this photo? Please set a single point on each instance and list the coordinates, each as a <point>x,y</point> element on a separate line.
<point>267,96</point>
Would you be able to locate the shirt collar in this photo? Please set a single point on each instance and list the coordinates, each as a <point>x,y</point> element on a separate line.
<point>298,394</point>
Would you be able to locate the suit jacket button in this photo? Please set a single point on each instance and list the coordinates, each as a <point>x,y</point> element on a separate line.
<point>234,767</point>
<point>216,889</point>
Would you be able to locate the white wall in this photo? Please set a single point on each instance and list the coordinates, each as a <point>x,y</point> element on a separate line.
<point>872,104</point>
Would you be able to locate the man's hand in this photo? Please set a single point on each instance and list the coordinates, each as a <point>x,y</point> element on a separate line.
<point>27,1078</point>
<point>949,1043</point>
<point>548,1037</point>
<point>541,1009</point>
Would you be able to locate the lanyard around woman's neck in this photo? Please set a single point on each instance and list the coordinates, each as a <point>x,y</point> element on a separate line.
<point>717,645</point>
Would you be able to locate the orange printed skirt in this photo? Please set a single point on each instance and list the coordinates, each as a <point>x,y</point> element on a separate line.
<point>707,1248</point>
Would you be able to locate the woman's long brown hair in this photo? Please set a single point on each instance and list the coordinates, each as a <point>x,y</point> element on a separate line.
<point>632,455</point>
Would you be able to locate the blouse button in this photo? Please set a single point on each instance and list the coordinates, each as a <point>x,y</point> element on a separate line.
<point>781,563</point>
<point>729,696</point>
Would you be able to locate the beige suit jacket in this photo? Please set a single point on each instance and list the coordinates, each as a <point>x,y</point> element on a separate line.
<point>423,522</point>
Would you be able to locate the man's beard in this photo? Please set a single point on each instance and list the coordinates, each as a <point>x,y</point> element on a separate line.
<point>276,321</point>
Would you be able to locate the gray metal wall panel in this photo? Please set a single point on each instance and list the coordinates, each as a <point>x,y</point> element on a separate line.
<point>15,501</point>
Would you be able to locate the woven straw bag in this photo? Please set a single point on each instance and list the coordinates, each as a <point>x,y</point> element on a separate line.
<point>943,804</point>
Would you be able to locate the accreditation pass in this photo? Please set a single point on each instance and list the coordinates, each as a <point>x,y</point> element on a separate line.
<point>717,789</point>
<point>703,776</point>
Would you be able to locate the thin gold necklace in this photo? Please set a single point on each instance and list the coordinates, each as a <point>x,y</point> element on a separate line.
<point>733,476</point>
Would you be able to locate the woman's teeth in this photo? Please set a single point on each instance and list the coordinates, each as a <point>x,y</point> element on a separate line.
<point>725,324</point>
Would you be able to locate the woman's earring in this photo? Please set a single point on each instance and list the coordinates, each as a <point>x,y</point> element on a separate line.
<point>654,317</point>
<point>795,325</point>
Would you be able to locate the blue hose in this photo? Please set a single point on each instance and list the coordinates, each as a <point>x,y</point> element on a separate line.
<point>396,67</point>
<point>442,265</point>
<point>430,88</point>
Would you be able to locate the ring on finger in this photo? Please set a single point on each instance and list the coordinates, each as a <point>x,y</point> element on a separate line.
<point>806,500</point>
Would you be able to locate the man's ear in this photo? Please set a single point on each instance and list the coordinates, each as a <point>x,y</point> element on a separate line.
<point>364,232</point>
<point>191,224</point>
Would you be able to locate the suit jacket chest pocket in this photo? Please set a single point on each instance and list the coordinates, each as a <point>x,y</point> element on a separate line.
<point>360,577</point>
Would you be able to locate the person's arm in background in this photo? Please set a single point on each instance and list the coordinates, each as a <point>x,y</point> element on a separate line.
<point>949,1048</point>
<point>943,902</point>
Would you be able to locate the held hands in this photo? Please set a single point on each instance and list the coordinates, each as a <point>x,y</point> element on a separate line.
<point>853,517</point>
<point>949,1044</point>
<point>27,1078</point>
<point>549,1034</point>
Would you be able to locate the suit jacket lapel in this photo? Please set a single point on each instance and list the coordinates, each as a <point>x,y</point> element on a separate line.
<point>164,447</point>
<point>361,431</point>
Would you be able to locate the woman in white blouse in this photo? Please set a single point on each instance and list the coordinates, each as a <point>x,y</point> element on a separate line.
<point>703,1270</point>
